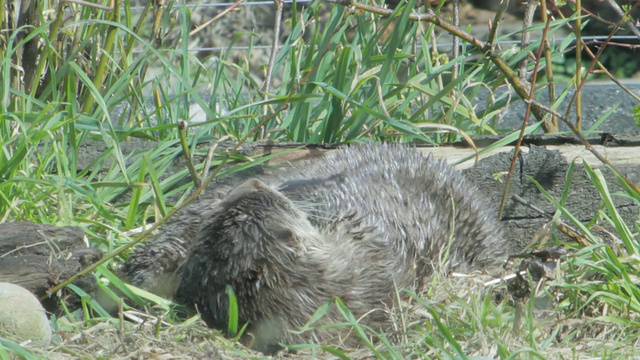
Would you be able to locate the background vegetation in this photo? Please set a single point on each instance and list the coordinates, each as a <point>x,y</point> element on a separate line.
<point>74,73</point>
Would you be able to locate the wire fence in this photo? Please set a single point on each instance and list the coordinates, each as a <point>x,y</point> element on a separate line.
<point>205,5</point>
<point>586,39</point>
<point>631,41</point>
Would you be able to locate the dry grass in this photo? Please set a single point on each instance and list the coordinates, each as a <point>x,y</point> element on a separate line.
<point>137,339</point>
<point>457,316</point>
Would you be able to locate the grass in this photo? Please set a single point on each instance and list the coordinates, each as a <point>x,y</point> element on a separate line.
<point>112,80</point>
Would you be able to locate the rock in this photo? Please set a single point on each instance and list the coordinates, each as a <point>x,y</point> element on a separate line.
<point>22,317</point>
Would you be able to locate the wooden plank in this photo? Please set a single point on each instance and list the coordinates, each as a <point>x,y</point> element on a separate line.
<point>622,156</point>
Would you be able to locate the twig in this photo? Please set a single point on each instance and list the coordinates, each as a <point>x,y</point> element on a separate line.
<point>504,4</point>
<point>218,16</point>
<point>592,14</point>
<point>625,17</point>
<point>528,204</point>
<point>579,47</point>
<point>274,49</point>
<point>456,40</point>
<point>381,99</point>
<point>90,4</point>
<point>576,96</point>
<point>120,330</point>
<point>22,247</point>
<point>564,228</point>
<point>545,16</point>
<point>534,77</point>
<point>526,36</point>
<point>158,326</point>
<point>266,86</point>
<point>210,154</point>
<point>158,13</point>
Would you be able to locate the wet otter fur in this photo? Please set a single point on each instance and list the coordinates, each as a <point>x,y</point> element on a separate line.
<point>357,224</point>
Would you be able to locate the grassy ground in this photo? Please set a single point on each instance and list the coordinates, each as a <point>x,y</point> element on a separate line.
<point>361,75</point>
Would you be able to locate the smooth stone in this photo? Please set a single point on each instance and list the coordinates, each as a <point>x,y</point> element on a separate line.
<point>22,317</point>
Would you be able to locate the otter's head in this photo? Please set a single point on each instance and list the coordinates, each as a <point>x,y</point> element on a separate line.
<point>255,228</point>
<point>252,241</point>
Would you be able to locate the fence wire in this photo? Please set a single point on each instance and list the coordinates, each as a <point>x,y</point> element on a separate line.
<point>448,45</point>
<point>227,4</point>
<point>627,39</point>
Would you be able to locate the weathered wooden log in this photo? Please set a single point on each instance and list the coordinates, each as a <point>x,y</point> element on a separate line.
<point>38,257</point>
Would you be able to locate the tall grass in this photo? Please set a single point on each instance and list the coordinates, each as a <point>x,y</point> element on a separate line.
<point>109,77</point>
<point>103,78</point>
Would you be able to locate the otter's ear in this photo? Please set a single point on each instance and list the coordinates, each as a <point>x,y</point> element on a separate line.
<point>280,232</point>
<point>246,188</point>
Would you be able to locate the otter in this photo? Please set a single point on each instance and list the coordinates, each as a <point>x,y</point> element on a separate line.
<point>358,224</point>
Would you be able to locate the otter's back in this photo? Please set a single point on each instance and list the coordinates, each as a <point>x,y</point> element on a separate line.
<point>419,203</point>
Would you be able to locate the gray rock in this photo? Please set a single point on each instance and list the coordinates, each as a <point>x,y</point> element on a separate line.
<point>22,317</point>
